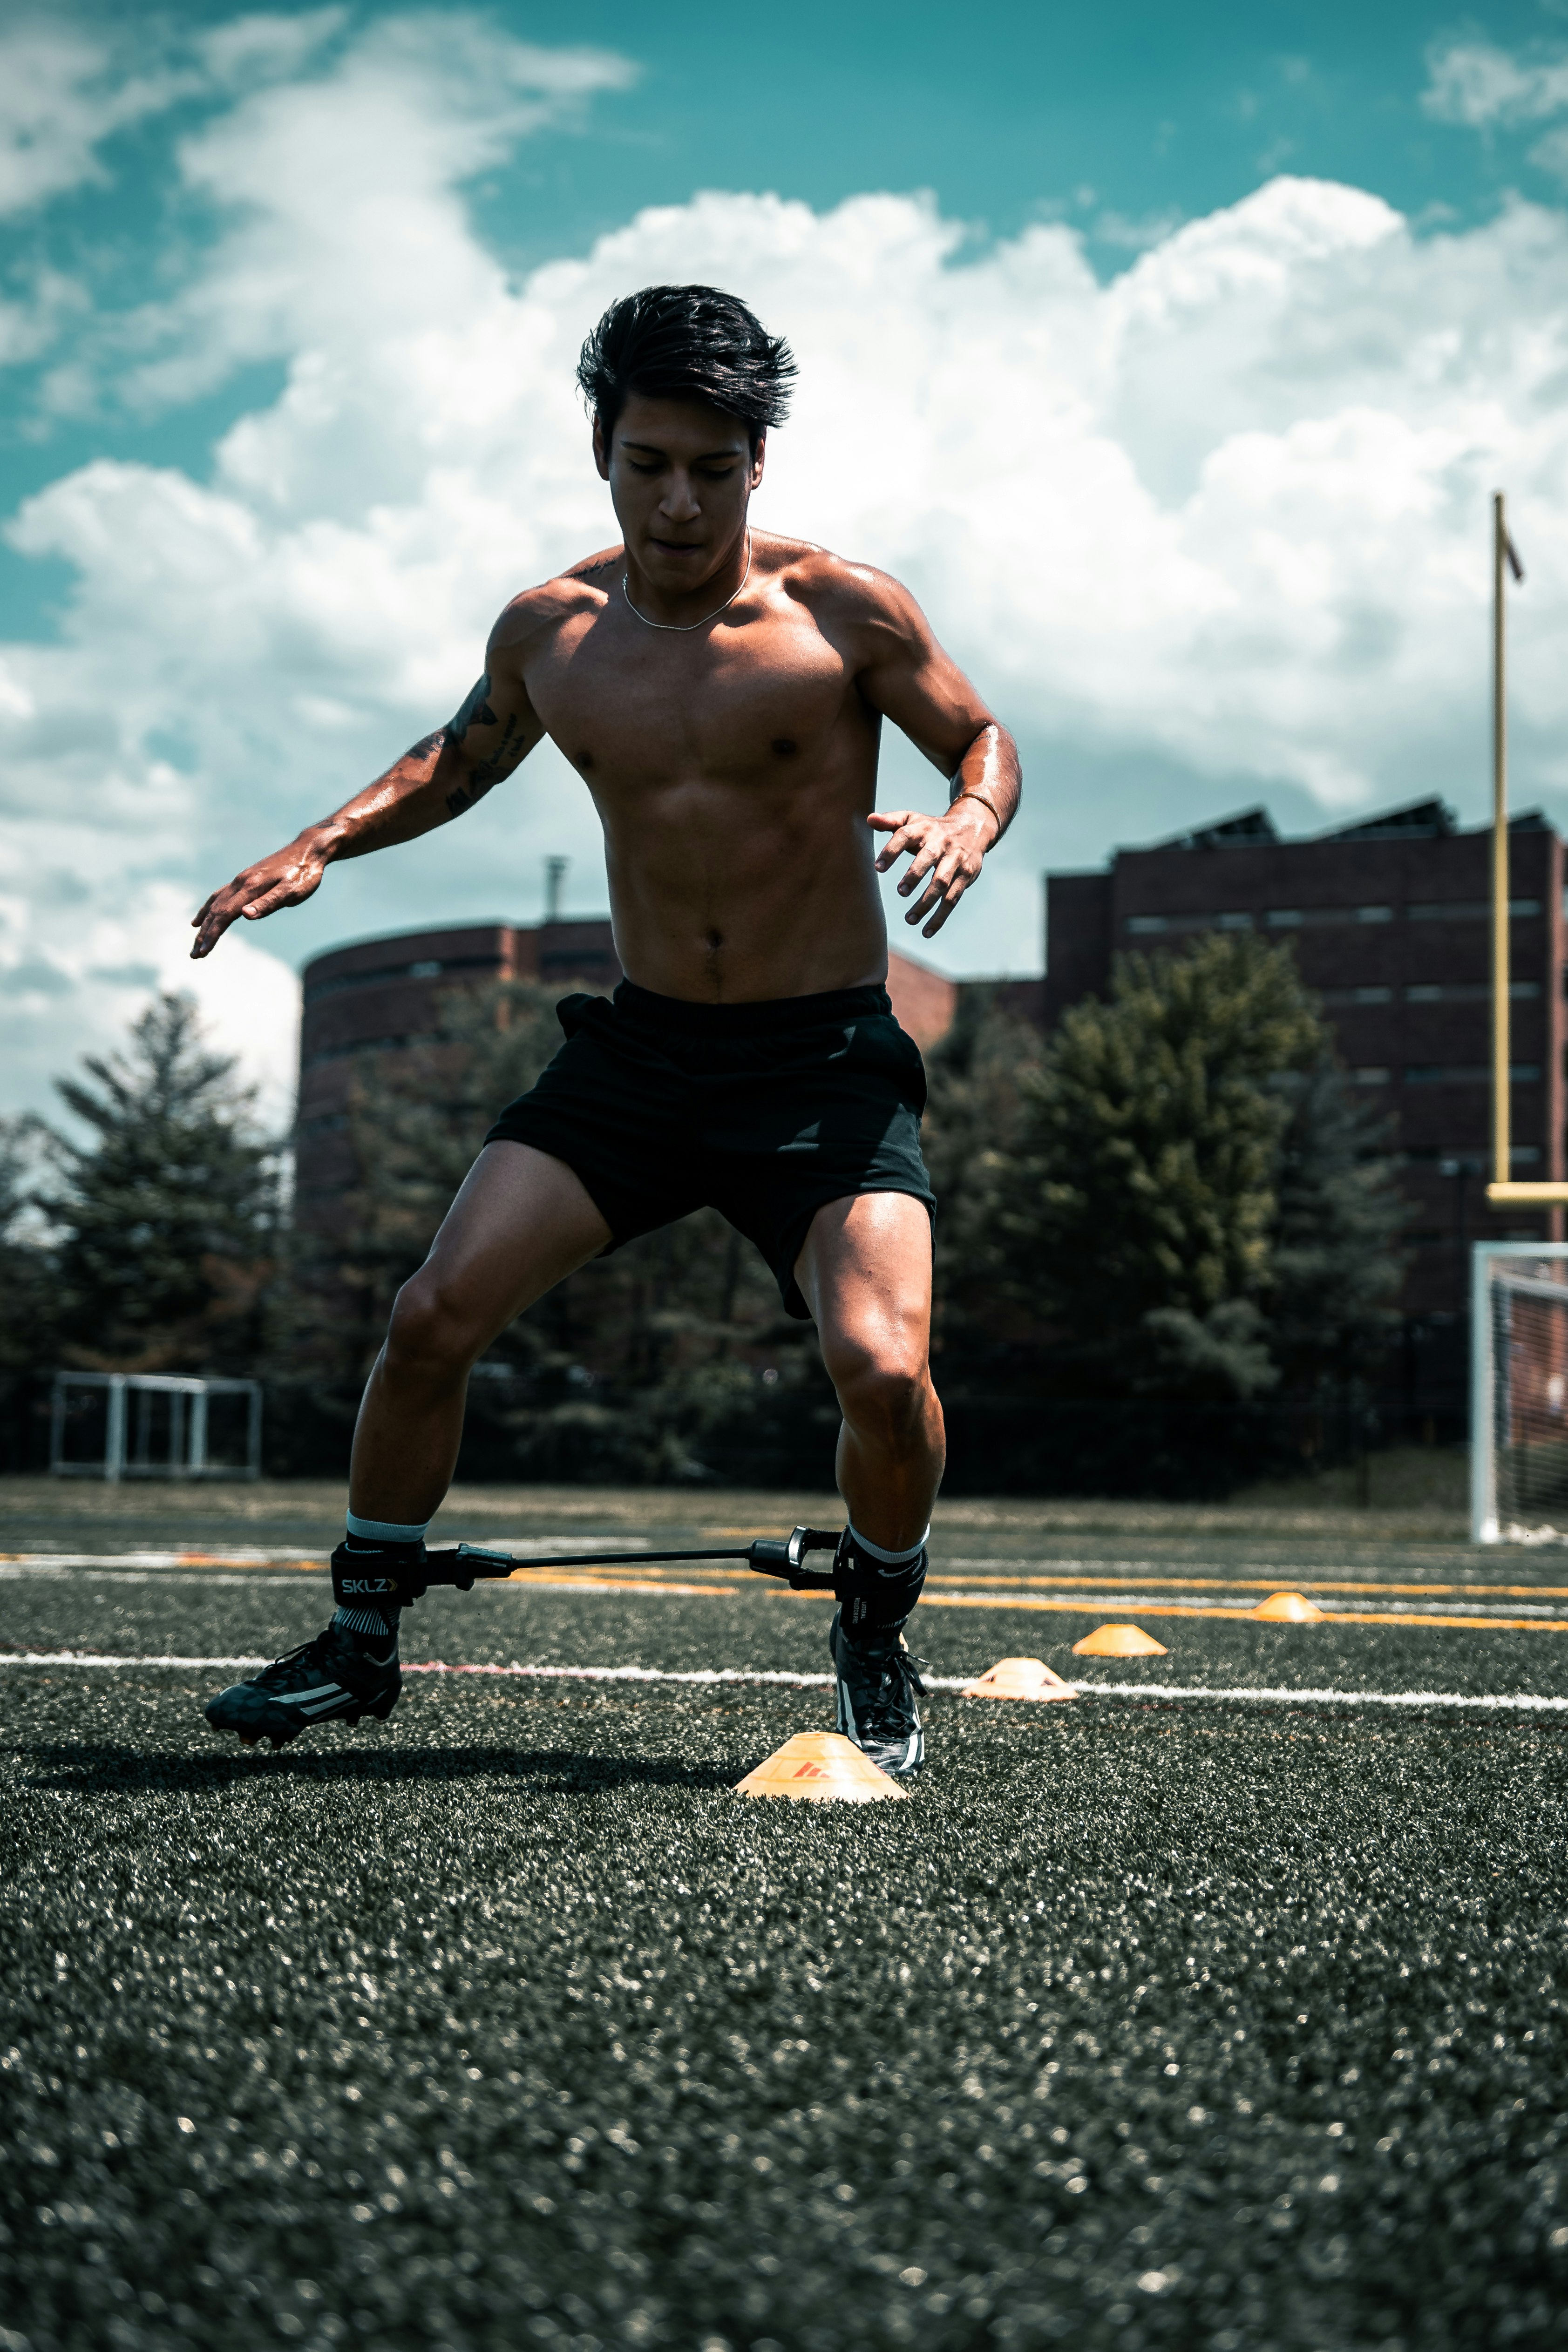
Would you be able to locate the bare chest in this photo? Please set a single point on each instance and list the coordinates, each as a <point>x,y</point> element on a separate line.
<point>635,706</point>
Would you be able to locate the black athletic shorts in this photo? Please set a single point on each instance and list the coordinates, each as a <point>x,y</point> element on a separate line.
<point>762,1111</point>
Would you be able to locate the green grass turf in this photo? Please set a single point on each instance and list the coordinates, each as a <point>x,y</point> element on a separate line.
<point>1220,2025</point>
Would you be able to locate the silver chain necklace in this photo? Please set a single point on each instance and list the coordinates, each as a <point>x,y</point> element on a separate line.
<point>683,628</point>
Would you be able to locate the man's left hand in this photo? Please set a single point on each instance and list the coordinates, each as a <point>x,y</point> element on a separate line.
<point>946,853</point>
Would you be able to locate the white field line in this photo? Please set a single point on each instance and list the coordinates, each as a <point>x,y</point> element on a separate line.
<point>1524,1702</point>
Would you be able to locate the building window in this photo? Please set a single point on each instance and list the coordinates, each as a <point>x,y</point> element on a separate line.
<point>424,971</point>
<point>1342,996</point>
<point>1468,1074</point>
<point>1296,918</point>
<point>1469,910</point>
<point>1468,992</point>
<point>1139,923</point>
<point>1371,1077</point>
<point>1449,1158</point>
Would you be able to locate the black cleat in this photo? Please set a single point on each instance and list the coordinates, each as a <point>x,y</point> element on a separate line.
<point>324,1681</point>
<point>877,1687</point>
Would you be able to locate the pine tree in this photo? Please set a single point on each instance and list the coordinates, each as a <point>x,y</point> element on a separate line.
<point>28,1292</point>
<point>165,1220</point>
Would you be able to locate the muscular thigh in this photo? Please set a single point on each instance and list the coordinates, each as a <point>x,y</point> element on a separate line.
<point>521,1224</point>
<point>866,1273</point>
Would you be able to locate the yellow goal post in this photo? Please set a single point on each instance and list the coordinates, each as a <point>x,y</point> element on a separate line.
<point>1502,1190</point>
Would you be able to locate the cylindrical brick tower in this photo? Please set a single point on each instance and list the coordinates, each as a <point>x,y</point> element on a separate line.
<point>383,994</point>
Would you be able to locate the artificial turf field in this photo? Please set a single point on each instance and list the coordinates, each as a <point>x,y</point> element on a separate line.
<point>1229,2021</point>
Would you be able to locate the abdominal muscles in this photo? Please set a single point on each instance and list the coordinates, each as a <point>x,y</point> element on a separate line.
<point>732,892</point>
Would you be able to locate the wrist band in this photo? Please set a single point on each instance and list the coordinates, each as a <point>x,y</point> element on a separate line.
<point>969,794</point>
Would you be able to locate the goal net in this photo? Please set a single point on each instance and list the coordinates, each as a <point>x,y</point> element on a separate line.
<point>1518,1421</point>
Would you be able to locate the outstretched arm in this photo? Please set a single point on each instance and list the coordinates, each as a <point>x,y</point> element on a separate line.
<point>908,679</point>
<point>444,774</point>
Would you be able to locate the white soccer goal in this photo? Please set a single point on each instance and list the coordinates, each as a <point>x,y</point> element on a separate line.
<point>1518,1392</point>
<point>154,1426</point>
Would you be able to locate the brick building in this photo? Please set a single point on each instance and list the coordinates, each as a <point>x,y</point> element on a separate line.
<point>383,994</point>
<point>1391,924</point>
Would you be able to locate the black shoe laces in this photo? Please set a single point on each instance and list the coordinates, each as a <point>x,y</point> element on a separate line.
<point>317,1656</point>
<point>888,1708</point>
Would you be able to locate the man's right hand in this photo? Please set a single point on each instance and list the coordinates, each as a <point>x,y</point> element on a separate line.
<point>287,878</point>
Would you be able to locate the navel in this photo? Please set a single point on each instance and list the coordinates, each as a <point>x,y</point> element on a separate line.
<point>785,748</point>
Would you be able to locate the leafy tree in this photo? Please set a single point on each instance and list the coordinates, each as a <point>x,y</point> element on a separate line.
<point>640,1365</point>
<point>164,1222</point>
<point>1144,1196</point>
<point>977,1078</point>
<point>1335,1241</point>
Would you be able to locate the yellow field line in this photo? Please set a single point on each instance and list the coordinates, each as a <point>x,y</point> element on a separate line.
<point>1087,1607</point>
<point>563,1580</point>
<point>1237,1617</point>
<point>1269,1584</point>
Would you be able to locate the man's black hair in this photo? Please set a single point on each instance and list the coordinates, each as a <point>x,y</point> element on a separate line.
<point>670,341</point>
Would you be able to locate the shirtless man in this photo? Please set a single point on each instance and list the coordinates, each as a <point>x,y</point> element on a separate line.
<point>722,693</point>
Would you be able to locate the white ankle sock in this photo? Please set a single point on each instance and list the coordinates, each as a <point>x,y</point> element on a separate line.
<point>387,1530</point>
<point>886,1558</point>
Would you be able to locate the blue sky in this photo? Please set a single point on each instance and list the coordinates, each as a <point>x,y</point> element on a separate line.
<point>1177,402</point>
<point>1118,119</point>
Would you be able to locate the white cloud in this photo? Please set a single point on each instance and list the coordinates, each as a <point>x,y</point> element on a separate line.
<point>1226,515</point>
<point>63,90</point>
<point>87,934</point>
<point>1476,83</point>
<point>29,327</point>
<point>257,48</point>
<point>340,193</point>
<point>66,87</point>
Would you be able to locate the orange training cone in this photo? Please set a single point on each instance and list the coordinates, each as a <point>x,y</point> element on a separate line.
<point>1288,1609</point>
<point>1119,1642</point>
<point>820,1764</point>
<point>1018,1678</point>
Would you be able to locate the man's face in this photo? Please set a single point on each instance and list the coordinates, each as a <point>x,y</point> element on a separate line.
<point>681,475</point>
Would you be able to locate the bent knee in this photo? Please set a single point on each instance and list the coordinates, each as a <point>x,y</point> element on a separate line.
<point>429,1333</point>
<point>888,1398</point>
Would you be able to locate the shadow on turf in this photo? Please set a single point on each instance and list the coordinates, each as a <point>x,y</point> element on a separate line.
<point>96,1769</point>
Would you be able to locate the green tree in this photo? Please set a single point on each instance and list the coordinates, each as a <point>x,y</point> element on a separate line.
<point>977,1078</point>
<point>27,1291</point>
<point>1335,1242</point>
<point>27,1288</point>
<point>165,1222</point>
<point>638,1365</point>
<point>1144,1198</point>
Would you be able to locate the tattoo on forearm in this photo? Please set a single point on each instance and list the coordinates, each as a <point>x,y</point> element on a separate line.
<point>459,800</point>
<point>503,759</point>
<point>483,773</point>
<point>475,712</point>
